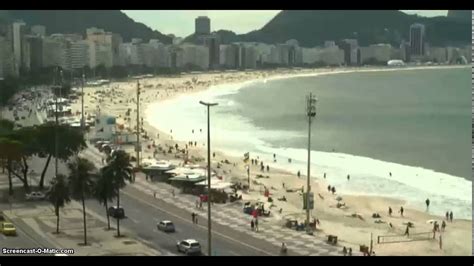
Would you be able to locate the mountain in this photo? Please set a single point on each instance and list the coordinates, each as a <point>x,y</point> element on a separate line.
<point>313,27</point>
<point>465,15</point>
<point>77,21</point>
<point>225,37</point>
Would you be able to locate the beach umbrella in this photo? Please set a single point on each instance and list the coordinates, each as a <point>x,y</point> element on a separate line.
<point>338,198</point>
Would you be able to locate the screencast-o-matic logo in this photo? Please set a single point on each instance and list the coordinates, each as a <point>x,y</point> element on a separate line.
<point>36,251</point>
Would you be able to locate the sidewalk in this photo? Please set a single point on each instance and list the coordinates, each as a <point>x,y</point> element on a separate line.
<point>231,215</point>
<point>40,221</point>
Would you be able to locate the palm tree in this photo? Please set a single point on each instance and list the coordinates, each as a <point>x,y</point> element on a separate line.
<point>58,195</point>
<point>81,183</point>
<point>104,191</point>
<point>119,170</point>
<point>71,142</point>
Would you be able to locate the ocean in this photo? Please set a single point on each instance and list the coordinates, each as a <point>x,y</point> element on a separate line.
<point>414,124</point>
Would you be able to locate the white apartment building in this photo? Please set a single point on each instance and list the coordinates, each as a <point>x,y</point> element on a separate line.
<point>79,54</point>
<point>19,30</point>
<point>196,55</point>
<point>54,52</point>
<point>330,55</point>
<point>378,52</point>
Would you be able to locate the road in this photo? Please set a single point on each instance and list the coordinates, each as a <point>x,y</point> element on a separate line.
<point>22,240</point>
<point>143,213</point>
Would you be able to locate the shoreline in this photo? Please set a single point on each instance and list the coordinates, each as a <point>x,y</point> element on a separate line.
<point>332,218</point>
<point>283,167</point>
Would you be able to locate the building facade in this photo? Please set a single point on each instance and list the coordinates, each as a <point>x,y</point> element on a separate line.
<point>417,40</point>
<point>202,26</point>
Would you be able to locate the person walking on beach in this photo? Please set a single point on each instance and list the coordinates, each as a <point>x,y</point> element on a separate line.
<point>447,216</point>
<point>193,217</point>
<point>299,174</point>
<point>256,225</point>
<point>333,189</point>
<point>427,201</point>
<point>193,131</point>
<point>348,177</point>
<point>401,211</point>
<point>329,188</point>
<point>213,155</point>
<point>195,144</point>
<point>252,225</point>
<point>268,168</point>
<point>451,216</point>
<point>389,211</point>
<point>443,226</point>
<point>324,175</point>
<point>350,252</point>
<point>390,174</point>
<point>407,231</point>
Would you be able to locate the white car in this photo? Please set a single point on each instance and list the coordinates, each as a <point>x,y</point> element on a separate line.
<point>166,226</point>
<point>189,246</point>
<point>35,196</point>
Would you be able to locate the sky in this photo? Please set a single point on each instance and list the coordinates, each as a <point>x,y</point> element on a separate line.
<point>181,22</point>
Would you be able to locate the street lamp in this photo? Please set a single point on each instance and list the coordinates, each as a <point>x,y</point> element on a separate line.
<point>208,174</point>
<point>82,101</point>
<point>311,113</point>
<point>57,122</point>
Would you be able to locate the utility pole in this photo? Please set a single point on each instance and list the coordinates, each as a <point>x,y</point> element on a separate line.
<point>311,113</point>
<point>56,144</point>
<point>138,148</point>
<point>208,105</point>
<point>82,100</point>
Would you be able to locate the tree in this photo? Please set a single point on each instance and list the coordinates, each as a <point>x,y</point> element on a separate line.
<point>10,151</point>
<point>70,140</point>
<point>104,191</point>
<point>80,183</point>
<point>119,169</point>
<point>58,195</point>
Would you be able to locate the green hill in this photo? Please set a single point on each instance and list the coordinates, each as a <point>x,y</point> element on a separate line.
<point>77,21</point>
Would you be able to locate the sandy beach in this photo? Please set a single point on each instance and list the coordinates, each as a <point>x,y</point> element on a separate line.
<point>351,231</point>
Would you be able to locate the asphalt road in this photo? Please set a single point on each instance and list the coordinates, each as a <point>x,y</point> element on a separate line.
<point>142,216</point>
<point>143,213</point>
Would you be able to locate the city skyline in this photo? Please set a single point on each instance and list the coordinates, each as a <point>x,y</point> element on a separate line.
<point>181,22</point>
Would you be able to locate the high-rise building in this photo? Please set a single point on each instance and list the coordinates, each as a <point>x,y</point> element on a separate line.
<point>212,43</point>
<point>19,30</point>
<point>54,53</point>
<point>79,54</point>
<point>417,39</point>
<point>202,26</point>
<point>33,56</point>
<point>38,30</point>
<point>351,51</point>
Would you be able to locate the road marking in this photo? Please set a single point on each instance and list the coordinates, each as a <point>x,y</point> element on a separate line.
<point>200,226</point>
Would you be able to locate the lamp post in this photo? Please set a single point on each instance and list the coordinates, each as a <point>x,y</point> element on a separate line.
<point>138,148</point>
<point>311,113</point>
<point>82,100</point>
<point>57,124</point>
<point>208,105</point>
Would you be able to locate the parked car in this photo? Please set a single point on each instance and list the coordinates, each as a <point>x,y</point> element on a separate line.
<point>189,246</point>
<point>35,196</point>
<point>8,229</point>
<point>166,226</point>
<point>116,212</point>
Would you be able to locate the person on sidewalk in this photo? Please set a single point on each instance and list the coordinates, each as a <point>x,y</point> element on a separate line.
<point>252,225</point>
<point>256,225</point>
<point>193,216</point>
